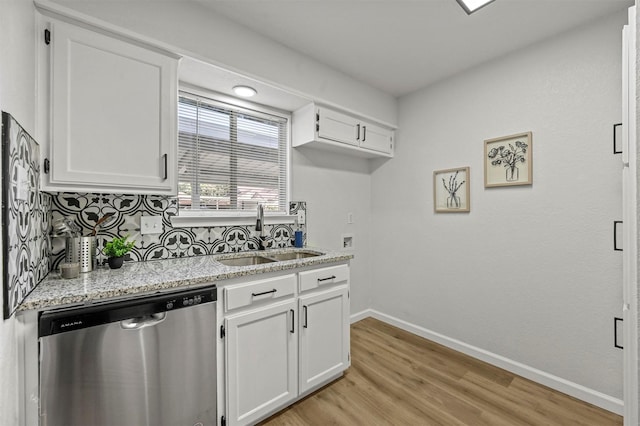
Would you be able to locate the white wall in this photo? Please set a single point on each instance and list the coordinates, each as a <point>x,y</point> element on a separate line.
<point>334,186</point>
<point>17,96</point>
<point>197,30</point>
<point>530,273</point>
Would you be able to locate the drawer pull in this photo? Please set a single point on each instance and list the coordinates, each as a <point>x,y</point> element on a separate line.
<point>293,321</point>
<point>332,277</point>
<point>263,293</point>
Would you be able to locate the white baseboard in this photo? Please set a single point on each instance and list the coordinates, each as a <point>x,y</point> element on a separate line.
<point>361,315</point>
<point>575,390</point>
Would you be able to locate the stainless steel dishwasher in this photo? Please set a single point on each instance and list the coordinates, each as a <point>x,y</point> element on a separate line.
<point>149,361</point>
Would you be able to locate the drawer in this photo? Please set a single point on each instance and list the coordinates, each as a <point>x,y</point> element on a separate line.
<point>246,294</point>
<point>323,277</point>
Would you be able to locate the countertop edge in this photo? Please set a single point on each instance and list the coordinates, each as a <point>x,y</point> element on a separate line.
<point>157,276</point>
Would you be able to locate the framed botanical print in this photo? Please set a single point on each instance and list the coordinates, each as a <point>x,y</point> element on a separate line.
<point>508,160</point>
<point>451,190</point>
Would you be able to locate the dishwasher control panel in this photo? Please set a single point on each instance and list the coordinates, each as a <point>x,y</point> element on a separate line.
<point>55,322</point>
<point>185,301</point>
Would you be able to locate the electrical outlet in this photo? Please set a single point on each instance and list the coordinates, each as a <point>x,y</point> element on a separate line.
<point>347,242</point>
<point>302,217</point>
<point>151,225</point>
<point>22,183</point>
<point>349,218</point>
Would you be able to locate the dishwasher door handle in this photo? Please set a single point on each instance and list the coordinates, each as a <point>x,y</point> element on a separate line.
<point>142,322</point>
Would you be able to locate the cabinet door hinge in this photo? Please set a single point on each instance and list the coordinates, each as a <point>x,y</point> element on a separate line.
<point>47,36</point>
<point>317,122</point>
<point>222,332</point>
<point>47,166</point>
<point>223,421</point>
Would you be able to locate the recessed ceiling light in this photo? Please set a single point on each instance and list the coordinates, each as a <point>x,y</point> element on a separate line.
<point>471,6</point>
<point>244,91</point>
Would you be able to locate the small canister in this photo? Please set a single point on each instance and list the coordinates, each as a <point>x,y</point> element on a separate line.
<point>69,270</point>
<point>298,241</point>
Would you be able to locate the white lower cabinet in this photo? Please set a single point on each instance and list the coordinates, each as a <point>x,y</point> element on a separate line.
<point>261,361</point>
<point>284,336</point>
<point>324,336</point>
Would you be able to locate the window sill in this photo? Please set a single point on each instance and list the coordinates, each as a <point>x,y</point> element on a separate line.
<point>205,219</point>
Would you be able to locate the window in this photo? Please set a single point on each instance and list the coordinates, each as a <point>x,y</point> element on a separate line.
<point>230,158</point>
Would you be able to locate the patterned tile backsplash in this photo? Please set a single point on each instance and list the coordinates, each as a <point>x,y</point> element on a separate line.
<point>87,209</point>
<point>25,208</point>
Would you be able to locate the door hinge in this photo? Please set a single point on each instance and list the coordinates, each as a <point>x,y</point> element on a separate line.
<point>317,122</point>
<point>222,332</point>
<point>47,36</point>
<point>349,356</point>
<point>223,421</point>
<point>47,166</point>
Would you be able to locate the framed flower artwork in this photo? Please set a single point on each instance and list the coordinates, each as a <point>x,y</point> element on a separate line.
<point>451,190</point>
<point>508,160</point>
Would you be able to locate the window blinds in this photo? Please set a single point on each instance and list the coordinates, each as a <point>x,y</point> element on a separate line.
<point>230,158</point>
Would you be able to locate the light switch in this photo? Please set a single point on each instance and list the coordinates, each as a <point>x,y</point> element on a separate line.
<point>151,225</point>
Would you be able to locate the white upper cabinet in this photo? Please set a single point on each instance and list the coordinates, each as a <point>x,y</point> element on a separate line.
<point>112,113</point>
<point>376,138</point>
<point>338,127</point>
<point>326,128</point>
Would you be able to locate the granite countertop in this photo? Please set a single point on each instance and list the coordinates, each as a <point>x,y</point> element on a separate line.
<point>158,275</point>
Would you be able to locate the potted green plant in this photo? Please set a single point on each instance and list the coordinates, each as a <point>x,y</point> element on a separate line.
<point>116,249</point>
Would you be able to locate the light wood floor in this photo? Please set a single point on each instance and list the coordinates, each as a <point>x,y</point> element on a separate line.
<point>398,378</point>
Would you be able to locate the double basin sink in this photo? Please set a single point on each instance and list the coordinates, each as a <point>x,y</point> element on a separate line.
<point>260,258</point>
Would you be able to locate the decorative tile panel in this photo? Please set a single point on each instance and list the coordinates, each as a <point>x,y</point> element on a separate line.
<point>26,226</point>
<point>87,209</point>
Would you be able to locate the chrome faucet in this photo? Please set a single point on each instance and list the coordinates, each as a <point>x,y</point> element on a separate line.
<point>260,226</point>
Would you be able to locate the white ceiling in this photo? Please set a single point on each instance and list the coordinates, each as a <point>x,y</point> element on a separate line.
<point>400,46</point>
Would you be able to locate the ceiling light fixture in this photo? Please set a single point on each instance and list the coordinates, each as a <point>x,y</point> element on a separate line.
<point>471,6</point>
<point>245,91</point>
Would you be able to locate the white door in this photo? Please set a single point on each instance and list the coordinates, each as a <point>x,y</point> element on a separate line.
<point>338,127</point>
<point>113,112</point>
<point>629,217</point>
<point>324,336</point>
<point>376,138</point>
<point>261,361</point>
